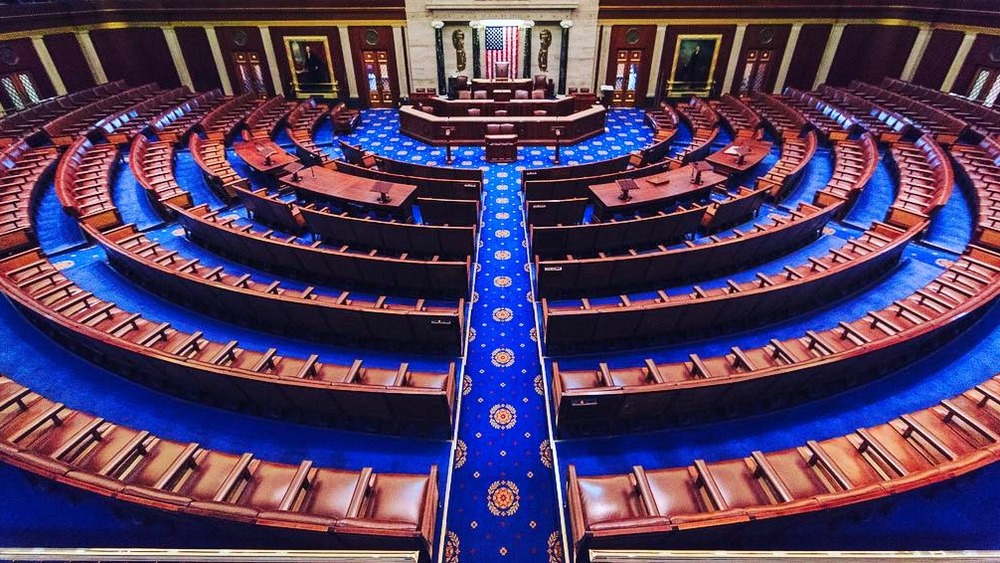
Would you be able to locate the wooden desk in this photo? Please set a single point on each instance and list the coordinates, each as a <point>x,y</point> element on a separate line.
<point>531,130</point>
<point>253,153</point>
<point>491,85</point>
<point>728,163</point>
<point>658,190</point>
<point>319,183</point>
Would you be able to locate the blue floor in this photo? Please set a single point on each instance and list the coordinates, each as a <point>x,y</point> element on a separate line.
<point>502,502</point>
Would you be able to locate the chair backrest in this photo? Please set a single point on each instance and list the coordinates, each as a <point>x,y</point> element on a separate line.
<point>474,112</point>
<point>501,70</point>
<point>521,95</point>
<point>539,81</point>
<point>507,128</point>
<point>538,94</point>
<point>574,90</point>
<point>480,94</point>
<point>500,113</point>
<point>464,95</point>
<point>461,81</point>
<point>540,112</point>
<point>492,128</point>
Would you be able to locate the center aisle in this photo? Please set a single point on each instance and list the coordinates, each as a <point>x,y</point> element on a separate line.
<point>502,501</point>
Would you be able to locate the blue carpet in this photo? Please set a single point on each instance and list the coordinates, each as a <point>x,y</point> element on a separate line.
<point>56,230</point>
<point>817,174</point>
<point>131,200</point>
<point>875,199</point>
<point>950,226</point>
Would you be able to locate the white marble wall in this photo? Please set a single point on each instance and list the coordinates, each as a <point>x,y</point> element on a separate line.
<point>546,13</point>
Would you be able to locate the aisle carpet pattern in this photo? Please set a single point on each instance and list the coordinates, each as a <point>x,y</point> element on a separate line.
<point>502,504</point>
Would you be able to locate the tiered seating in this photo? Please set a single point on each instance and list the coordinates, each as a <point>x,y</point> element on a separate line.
<point>264,121</point>
<point>343,265</point>
<point>854,164</point>
<point>64,130</point>
<point>29,121</point>
<point>885,126</point>
<point>210,156</point>
<point>980,165</point>
<point>664,120</point>
<point>831,123</point>
<point>982,118</point>
<point>945,128</point>
<point>784,120</point>
<point>119,128</point>
<point>21,169</point>
<point>650,508</point>
<point>345,120</point>
<point>796,152</point>
<point>417,239</point>
<point>190,365</point>
<point>785,368</point>
<point>704,123</point>
<point>267,305</point>
<point>458,191</point>
<point>356,509</point>
<point>83,183</point>
<point>741,119</point>
<point>220,124</point>
<point>152,163</point>
<point>925,180</point>
<point>301,126</point>
<point>174,125</point>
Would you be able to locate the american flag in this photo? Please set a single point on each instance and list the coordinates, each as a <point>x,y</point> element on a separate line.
<point>501,45</point>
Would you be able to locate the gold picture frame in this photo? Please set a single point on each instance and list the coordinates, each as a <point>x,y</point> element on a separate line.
<point>314,78</point>
<point>688,77</point>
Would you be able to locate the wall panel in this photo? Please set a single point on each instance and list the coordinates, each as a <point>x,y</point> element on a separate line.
<point>138,55</point>
<point>807,56</point>
<point>19,55</point>
<point>332,35</point>
<point>233,39</point>
<point>670,47</point>
<point>69,60</point>
<point>980,55</point>
<point>870,52</point>
<point>773,37</point>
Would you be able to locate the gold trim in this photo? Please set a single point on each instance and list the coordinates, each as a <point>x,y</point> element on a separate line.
<point>711,69</point>
<point>202,555</point>
<point>659,556</point>
<point>334,91</point>
<point>174,24</point>
<point>791,21</point>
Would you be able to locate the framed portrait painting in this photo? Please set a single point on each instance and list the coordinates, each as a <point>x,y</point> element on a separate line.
<point>311,66</point>
<point>693,70</point>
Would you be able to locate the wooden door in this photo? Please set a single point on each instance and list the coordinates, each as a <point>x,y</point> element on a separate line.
<point>377,79</point>
<point>628,63</point>
<point>756,70</point>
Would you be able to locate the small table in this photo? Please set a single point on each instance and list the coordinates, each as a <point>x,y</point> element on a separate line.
<point>264,157</point>
<point>320,183</point>
<point>740,155</point>
<point>658,190</point>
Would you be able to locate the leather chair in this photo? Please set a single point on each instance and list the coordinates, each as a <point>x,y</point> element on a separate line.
<point>474,112</point>
<point>461,82</point>
<point>480,95</point>
<point>573,90</point>
<point>501,142</point>
<point>500,113</point>
<point>538,94</point>
<point>501,70</point>
<point>539,81</point>
<point>540,113</point>
<point>464,95</point>
<point>346,121</point>
<point>521,95</point>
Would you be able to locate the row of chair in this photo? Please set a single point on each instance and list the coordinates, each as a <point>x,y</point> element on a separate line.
<point>263,122</point>
<point>784,120</point>
<point>741,119</point>
<point>22,169</point>
<point>605,274</point>
<point>83,183</point>
<point>980,166</point>
<point>210,156</point>
<point>663,120</point>
<point>703,121</point>
<point>29,122</point>
<point>354,509</point>
<point>578,185</point>
<point>944,127</point>
<point>924,178</point>
<point>119,128</point>
<point>223,121</point>
<point>832,124</point>
<point>457,190</point>
<point>730,307</point>
<point>854,163</point>
<point>190,365</point>
<point>266,305</point>
<point>656,508</point>
<point>980,117</point>
<point>175,125</point>
<point>152,164</point>
<point>301,125</point>
<point>64,130</point>
<point>885,126</point>
<point>796,368</point>
<point>796,153</point>
<point>397,273</point>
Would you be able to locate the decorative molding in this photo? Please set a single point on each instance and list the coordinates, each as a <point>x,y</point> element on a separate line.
<point>654,75</point>
<point>345,51</point>
<point>786,58</point>
<point>734,59</point>
<point>50,66</point>
<point>90,55</point>
<point>916,53</point>
<point>829,53</point>
<point>503,5</point>
<point>180,65</point>
<point>272,60</point>
<point>400,49</point>
<point>956,64</point>
<point>220,63</point>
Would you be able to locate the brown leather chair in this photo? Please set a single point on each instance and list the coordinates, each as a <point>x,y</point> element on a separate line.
<point>538,94</point>
<point>521,95</point>
<point>501,142</point>
<point>474,112</point>
<point>464,95</point>
<point>480,95</point>
<point>539,82</point>
<point>462,82</point>
<point>501,70</point>
<point>540,113</point>
<point>500,113</point>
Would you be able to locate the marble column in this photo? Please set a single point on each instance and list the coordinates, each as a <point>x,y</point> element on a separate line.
<point>564,54</point>
<point>439,53</point>
<point>477,69</point>
<point>526,73</point>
